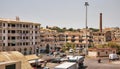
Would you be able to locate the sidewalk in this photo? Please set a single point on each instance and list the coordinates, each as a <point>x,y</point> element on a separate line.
<point>115,62</point>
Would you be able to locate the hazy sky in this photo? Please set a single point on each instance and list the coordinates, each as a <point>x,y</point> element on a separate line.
<point>63,13</point>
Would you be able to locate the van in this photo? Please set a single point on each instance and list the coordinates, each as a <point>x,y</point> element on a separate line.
<point>66,65</point>
<point>113,57</point>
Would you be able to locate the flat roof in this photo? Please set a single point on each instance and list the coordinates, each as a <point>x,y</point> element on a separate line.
<point>34,61</point>
<point>65,65</point>
<point>8,62</point>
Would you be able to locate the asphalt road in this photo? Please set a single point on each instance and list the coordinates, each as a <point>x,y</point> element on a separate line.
<point>91,63</point>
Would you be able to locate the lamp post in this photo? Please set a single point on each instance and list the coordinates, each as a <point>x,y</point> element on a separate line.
<point>37,52</point>
<point>86,47</point>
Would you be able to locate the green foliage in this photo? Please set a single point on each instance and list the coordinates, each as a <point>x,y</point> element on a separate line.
<point>94,30</point>
<point>111,45</point>
<point>58,29</point>
<point>63,29</point>
<point>70,29</point>
<point>67,46</point>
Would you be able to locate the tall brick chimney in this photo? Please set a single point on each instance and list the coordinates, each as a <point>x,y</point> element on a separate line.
<point>100,22</point>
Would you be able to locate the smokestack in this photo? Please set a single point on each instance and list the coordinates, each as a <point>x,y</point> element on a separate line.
<point>100,22</point>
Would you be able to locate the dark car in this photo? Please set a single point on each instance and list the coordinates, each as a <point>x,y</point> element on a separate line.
<point>56,60</point>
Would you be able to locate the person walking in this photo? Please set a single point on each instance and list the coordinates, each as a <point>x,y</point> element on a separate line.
<point>99,60</point>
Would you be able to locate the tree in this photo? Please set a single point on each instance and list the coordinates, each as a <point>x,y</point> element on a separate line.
<point>70,29</point>
<point>94,30</point>
<point>111,45</point>
<point>68,46</point>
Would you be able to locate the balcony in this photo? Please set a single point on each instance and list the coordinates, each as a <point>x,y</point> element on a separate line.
<point>69,37</point>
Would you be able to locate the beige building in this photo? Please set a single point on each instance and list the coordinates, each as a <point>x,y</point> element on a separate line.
<point>51,38</point>
<point>100,52</point>
<point>79,38</point>
<point>10,65</point>
<point>17,35</point>
<point>13,60</point>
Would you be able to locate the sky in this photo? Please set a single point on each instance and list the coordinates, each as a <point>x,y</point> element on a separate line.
<point>63,13</point>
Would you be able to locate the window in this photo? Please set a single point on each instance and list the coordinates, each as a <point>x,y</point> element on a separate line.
<point>26,26</point>
<point>35,26</point>
<point>12,44</point>
<point>13,38</point>
<point>35,37</point>
<point>3,44</point>
<point>35,42</point>
<point>23,37</point>
<point>13,25</point>
<point>8,25</point>
<point>20,44</point>
<point>13,66</point>
<point>3,37</point>
<point>13,31</point>
<point>20,37</point>
<point>26,31</point>
<point>0,31</point>
<point>17,25</point>
<point>0,37</point>
<point>23,43</point>
<point>26,43</point>
<point>0,24</point>
<point>106,52</point>
<point>8,44</point>
<point>27,37</point>
<point>23,26</point>
<point>8,38</point>
<point>23,32</point>
<point>3,31</point>
<point>4,24</point>
<point>8,31</point>
<point>36,32</point>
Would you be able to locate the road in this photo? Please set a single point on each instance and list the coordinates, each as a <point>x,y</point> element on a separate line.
<point>91,63</point>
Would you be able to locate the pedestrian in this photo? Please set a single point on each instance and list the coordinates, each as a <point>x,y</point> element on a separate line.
<point>99,60</point>
<point>45,63</point>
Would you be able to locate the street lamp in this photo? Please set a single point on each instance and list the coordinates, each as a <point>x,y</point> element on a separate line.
<point>86,48</point>
<point>37,52</point>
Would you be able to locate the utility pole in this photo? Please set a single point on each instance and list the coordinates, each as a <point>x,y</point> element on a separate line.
<point>86,27</point>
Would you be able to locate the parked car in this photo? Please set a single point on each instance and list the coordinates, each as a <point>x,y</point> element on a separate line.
<point>62,54</point>
<point>113,57</point>
<point>56,60</point>
<point>46,68</point>
<point>71,51</point>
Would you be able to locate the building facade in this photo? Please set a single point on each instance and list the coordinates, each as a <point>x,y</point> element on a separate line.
<point>16,35</point>
<point>51,38</point>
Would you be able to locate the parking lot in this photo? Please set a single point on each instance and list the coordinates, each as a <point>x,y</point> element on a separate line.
<point>92,63</point>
